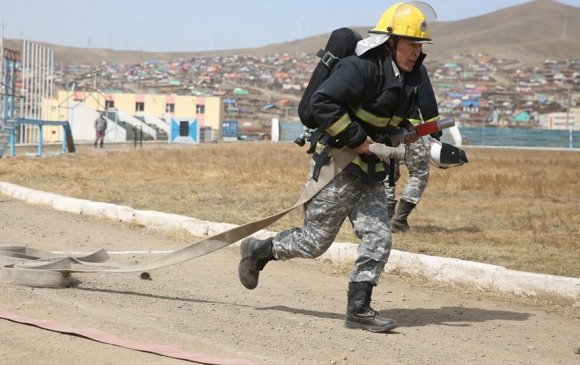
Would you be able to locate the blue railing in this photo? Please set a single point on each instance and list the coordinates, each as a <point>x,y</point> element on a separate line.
<point>520,137</point>
<point>488,136</point>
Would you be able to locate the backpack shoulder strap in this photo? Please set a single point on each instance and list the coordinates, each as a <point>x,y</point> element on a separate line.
<point>380,84</point>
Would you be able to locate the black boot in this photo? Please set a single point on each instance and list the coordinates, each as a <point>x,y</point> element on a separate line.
<point>255,255</point>
<point>360,315</point>
<point>399,222</point>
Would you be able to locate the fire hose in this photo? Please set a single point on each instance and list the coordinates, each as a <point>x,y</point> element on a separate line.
<point>32,267</point>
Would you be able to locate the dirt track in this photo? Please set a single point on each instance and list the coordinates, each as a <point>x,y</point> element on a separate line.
<point>294,316</point>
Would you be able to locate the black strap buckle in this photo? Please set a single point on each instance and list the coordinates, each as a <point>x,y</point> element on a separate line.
<point>327,58</point>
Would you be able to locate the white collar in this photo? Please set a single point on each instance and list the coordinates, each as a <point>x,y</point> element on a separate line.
<point>398,73</point>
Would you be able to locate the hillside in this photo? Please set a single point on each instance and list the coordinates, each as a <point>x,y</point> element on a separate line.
<point>537,30</point>
<point>530,32</point>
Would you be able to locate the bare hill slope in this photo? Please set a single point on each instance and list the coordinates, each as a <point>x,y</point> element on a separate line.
<point>530,32</point>
<point>537,30</point>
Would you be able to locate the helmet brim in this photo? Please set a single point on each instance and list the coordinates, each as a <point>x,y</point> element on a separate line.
<point>423,41</point>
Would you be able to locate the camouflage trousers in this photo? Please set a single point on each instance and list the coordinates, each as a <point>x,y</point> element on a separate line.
<point>417,161</point>
<point>346,196</point>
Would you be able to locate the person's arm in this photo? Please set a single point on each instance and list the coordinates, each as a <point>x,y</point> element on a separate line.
<point>428,101</point>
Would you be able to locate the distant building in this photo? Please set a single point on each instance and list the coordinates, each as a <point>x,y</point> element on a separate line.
<point>561,120</point>
<point>470,105</point>
<point>150,112</point>
<point>522,117</point>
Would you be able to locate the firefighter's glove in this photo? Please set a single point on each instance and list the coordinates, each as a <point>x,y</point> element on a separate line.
<point>385,152</point>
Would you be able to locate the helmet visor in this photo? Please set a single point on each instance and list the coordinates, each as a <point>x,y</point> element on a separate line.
<point>427,10</point>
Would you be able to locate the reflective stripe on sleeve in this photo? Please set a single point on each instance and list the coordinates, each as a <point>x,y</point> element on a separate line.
<point>432,119</point>
<point>339,126</point>
<point>375,121</point>
<point>371,119</point>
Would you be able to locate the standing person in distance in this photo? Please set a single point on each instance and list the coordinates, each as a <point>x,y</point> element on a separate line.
<point>367,99</point>
<point>100,129</point>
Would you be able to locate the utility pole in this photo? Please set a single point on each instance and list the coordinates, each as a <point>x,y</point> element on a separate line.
<point>570,144</point>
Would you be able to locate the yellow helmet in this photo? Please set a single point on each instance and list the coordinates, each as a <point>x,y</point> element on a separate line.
<point>408,20</point>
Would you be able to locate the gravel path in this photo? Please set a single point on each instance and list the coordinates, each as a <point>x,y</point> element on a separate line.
<point>295,316</point>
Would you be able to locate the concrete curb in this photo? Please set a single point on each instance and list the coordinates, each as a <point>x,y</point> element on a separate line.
<point>448,270</point>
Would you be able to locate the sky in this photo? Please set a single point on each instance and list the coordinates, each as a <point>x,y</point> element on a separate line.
<point>204,25</point>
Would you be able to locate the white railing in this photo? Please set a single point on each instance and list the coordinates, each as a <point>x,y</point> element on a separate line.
<point>153,120</point>
<point>129,119</point>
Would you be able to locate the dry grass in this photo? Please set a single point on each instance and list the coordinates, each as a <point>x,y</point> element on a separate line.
<point>515,208</point>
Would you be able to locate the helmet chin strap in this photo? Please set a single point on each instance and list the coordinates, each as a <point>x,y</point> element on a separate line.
<point>392,47</point>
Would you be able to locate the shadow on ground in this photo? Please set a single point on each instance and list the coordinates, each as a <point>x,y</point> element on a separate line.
<point>417,317</point>
<point>437,229</point>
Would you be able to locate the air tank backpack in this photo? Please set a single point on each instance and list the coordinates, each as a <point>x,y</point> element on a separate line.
<point>341,43</point>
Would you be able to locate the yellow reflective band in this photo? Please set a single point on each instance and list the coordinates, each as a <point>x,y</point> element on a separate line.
<point>379,167</point>
<point>432,119</point>
<point>339,125</point>
<point>320,147</point>
<point>395,121</point>
<point>415,122</point>
<point>371,118</point>
<point>379,122</point>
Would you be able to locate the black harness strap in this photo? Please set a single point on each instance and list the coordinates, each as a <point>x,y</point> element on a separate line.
<point>392,172</point>
<point>321,159</point>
